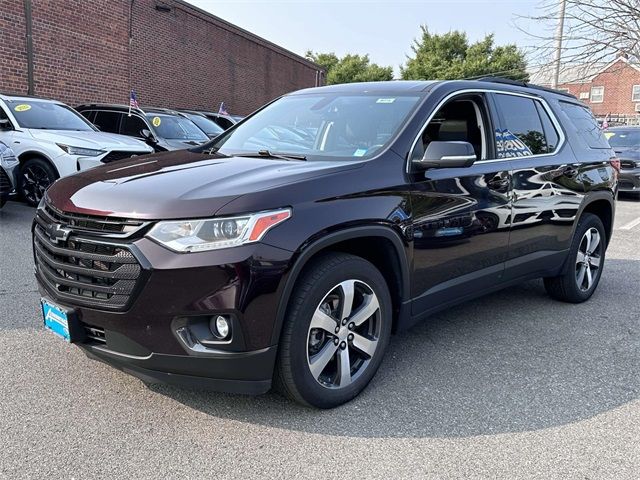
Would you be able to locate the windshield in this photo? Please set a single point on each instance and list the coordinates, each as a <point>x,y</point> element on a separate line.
<point>206,125</point>
<point>47,115</point>
<point>623,138</point>
<point>174,127</point>
<point>321,125</point>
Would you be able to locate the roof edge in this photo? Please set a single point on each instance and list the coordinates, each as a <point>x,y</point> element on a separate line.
<point>251,36</point>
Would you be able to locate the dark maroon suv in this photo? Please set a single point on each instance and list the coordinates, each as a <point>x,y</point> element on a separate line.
<point>288,249</point>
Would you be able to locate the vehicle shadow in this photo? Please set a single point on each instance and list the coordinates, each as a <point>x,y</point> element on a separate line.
<point>513,361</point>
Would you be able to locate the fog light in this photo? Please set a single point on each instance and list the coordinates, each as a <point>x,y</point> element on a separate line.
<point>220,327</point>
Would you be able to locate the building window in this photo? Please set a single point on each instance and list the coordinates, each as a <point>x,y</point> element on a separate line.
<point>584,95</point>
<point>564,90</point>
<point>597,94</point>
<point>635,94</point>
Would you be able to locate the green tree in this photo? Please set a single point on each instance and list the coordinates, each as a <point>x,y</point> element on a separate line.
<point>350,68</point>
<point>450,56</point>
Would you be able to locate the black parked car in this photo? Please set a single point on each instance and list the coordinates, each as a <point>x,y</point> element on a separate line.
<point>208,126</point>
<point>626,143</point>
<point>225,121</point>
<point>162,128</point>
<point>255,260</point>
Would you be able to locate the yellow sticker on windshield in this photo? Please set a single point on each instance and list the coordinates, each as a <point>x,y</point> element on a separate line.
<point>23,107</point>
<point>609,134</point>
<point>156,121</point>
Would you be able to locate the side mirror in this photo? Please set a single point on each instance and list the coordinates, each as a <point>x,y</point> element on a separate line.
<point>5,124</point>
<point>148,136</point>
<point>447,155</point>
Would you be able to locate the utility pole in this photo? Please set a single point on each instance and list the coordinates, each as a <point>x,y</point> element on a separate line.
<point>559,33</point>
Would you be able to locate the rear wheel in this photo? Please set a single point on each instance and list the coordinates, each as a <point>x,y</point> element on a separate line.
<point>586,260</point>
<point>336,331</point>
<point>36,175</point>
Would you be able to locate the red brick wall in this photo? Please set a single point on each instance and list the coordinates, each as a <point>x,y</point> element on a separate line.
<point>618,81</point>
<point>13,47</point>
<point>182,58</point>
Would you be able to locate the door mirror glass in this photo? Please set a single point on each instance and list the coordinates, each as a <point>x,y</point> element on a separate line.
<point>451,154</point>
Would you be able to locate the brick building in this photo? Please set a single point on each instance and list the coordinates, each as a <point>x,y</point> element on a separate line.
<point>608,89</point>
<point>172,53</point>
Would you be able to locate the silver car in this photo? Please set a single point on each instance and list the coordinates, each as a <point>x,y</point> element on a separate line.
<point>8,172</point>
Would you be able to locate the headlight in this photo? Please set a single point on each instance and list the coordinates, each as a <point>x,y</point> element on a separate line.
<point>185,236</point>
<point>85,152</point>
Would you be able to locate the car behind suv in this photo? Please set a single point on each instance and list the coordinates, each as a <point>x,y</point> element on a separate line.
<point>262,259</point>
<point>161,128</point>
<point>625,141</point>
<point>51,140</point>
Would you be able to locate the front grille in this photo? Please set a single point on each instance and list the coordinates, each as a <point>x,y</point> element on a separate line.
<point>115,156</point>
<point>627,164</point>
<point>83,271</point>
<point>92,223</point>
<point>5,184</point>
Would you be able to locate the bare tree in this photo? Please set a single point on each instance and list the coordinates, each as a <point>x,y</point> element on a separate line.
<point>595,33</point>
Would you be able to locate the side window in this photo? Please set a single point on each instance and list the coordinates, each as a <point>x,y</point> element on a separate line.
<point>587,126</point>
<point>461,119</point>
<point>521,134</point>
<point>107,121</point>
<point>550,132</point>
<point>89,115</point>
<point>132,126</point>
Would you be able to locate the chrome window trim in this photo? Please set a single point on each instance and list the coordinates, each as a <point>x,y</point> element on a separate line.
<point>543,102</point>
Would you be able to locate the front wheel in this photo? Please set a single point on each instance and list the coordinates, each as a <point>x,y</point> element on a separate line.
<point>586,260</point>
<point>36,175</point>
<point>336,331</point>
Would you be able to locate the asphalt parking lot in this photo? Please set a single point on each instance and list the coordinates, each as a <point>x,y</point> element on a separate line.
<point>514,385</point>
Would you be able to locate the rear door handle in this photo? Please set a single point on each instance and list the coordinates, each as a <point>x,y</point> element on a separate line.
<point>569,171</point>
<point>498,184</point>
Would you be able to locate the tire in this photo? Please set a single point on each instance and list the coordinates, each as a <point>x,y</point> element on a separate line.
<point>310,363</point>
<point>36,175</point>
<point>586,262</point>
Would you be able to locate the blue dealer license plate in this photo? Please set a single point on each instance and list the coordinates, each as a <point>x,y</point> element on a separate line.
<point>56,319</point>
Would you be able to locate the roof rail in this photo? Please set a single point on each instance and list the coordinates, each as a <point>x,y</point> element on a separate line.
<point>508,81</point>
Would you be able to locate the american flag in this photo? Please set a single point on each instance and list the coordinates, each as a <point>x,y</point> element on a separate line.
<point>223,110</point>
<point>133,100</point>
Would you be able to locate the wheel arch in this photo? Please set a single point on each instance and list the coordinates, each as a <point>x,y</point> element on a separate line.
<point>30,154</point>
<point>378,241</point>
<point>602,205</point>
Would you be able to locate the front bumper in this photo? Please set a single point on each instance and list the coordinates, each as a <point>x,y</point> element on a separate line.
<point>629,180</point>
<point>240,372</point>
<point>174,291</point>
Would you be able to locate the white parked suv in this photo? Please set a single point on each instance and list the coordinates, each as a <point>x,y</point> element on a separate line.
<point>51,140</point>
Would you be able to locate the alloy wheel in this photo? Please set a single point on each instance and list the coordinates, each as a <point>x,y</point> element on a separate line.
<point>344,333</point>
<point>35,181</point>
<point>588,259</point>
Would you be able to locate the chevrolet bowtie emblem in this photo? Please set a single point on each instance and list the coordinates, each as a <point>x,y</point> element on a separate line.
<point>58,233</point>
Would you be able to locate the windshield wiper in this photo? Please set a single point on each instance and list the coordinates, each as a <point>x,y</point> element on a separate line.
<point>267,154</point>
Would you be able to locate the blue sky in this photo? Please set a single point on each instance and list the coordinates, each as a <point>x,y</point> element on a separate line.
<point>383,29</point>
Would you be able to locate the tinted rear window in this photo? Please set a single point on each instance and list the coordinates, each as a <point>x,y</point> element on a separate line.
<point>586,124</point>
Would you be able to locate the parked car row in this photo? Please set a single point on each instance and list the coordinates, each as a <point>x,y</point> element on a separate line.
<point>51,140</point>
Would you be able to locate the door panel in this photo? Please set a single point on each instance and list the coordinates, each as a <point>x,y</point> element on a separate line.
<point>547,186</point>
<point>461,232</point>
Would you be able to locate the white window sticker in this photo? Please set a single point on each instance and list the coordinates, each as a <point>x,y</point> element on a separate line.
<point>385,100</point>
<point>360,152</point>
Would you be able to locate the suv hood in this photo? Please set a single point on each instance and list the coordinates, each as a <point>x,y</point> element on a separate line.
<point>180,184</point>
<point>96,140</point>
<point>181,144</point>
